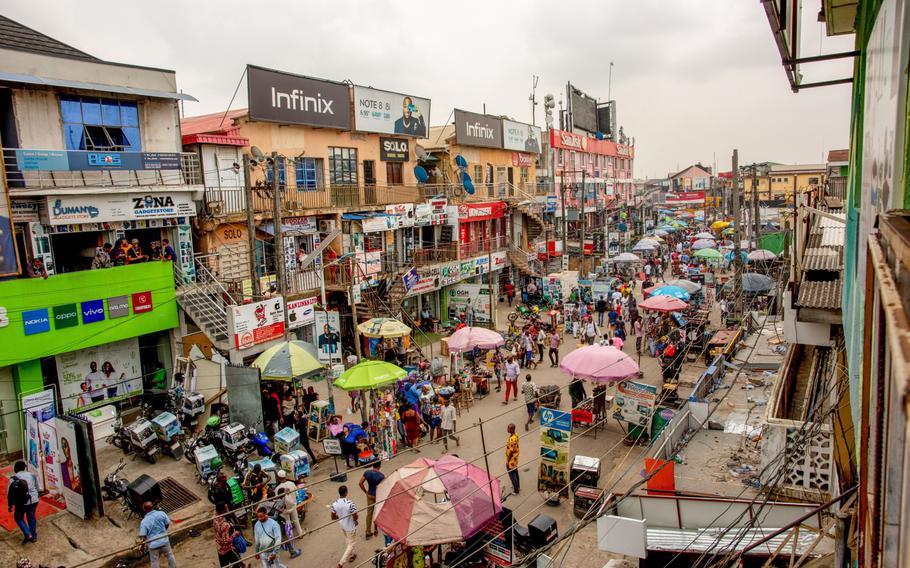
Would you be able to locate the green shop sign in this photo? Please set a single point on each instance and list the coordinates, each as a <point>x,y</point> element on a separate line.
<point>76,310</point>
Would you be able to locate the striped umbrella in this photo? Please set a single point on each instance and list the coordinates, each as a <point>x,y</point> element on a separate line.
<point>287,360</point>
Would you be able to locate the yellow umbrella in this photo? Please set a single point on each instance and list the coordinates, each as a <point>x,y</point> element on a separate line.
<point>384,327</point>
<point>287,360</point>
<point>716,225</point>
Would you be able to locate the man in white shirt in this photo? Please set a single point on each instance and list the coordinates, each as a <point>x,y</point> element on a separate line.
<point>512,370</point>
<point>287,489</point>
<point>590,332</point>
<point>345,512</point>
<point>448,425</point>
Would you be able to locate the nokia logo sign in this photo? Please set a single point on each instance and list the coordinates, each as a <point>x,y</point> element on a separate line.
<point>480,131</point>
<point>296,100</point>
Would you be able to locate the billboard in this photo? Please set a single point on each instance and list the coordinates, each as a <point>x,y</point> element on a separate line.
<point>606,119</point>
<point>520,136</point>
<point>634,403</point>
<point>276,96</point>
<point>99,375</point>
<point>475,295</point>
<point>328,340</point>
<point>301,312</point>
<point>393,150</point>
<point>472,129</point>
<point>386,112</point>
<point>584,109</point>
<point>555,430</point>
<point>75,209</point>
<point>259,322</point>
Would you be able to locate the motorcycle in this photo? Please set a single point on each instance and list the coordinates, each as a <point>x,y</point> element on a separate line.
<point>114,487</point>
<point>143,439</point>
<point>120,438</point>
<point>260,442</point>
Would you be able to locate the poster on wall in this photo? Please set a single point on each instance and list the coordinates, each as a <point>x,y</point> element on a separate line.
<point>328,339</point>
<point>386,112</point>
<point>634,403</point>
<point>32,450</point>
<point>37,409</point>
<point>99,375</point>
<point>475,295</point>
<point>521,137</point>
<point>259,322</point>
<point>555,430</point>
<point>70,468</point>
<point>47,433</point>
<point>301,312</point>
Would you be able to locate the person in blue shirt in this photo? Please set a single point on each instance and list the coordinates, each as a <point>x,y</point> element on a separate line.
<point>368,483</point>
<point>153,532</point>
<point>267,538</point>
<point>167,251</point>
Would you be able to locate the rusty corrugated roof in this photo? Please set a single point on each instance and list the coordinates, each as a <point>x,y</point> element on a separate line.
<point>823,295</point>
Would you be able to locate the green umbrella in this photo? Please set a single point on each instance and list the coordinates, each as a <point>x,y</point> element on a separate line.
<point>369,375</point>
<point>709,253</point>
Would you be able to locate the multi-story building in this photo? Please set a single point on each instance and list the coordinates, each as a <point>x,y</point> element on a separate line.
<point>778,183</point>
<point>693,178</point>
<point>91,155</point>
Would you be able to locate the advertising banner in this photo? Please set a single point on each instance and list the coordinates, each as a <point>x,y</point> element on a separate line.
<point>472,129</point>
<point>481,211</point>
<point>47,432</point>
<point>328,341</point>
<point>475,295</point>
<point>583,109</point>
<point>402,214</point>
<point>521,137</point>
<point>555,430</point>
<point>71,468</point>
<point>386,112</point>
<point>301,312</point>
<point>99,375</point>
<point>634,402</point>
<point>32,449</point>
<point>499,548</point>
<point>259,322</point>
<point>77,160</point>
<point>74,209</point>
<point>410,278</point>
<point>276,96</point>
<point>393,150</point>
<point>37,408</point>
<point>378,223</point>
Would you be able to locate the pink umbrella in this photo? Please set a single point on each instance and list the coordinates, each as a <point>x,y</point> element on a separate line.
<point>436,501</point>
<point>600,363</point>
<point>467,338</point>
<point>663,304</point>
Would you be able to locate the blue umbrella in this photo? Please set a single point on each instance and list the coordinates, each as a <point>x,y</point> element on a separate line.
<point>742,253</point>
<point>667,228</point>
<point>673,291</point>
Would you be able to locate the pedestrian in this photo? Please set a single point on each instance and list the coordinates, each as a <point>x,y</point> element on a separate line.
<point>411,420</point>
<point>288,405</point>
<point>36,268</point>
<point>370,479</point>
<point>102,257</point>
<point>555,341</point>
<point>512,371</point>
<point>636,332</point>
<point>255,483</point>
<point>225,533</point>
<point>267,536</point>
<point>529,349</point>
<point>468,315</point>
<point>590,332</point>
<point>577,392</point>
<point>448,424</point>
<point>541,341</point>
<point>167,251</point>
<point>510,292</point>
<point>529,390</point>
<point>302,424</point>
<point>601,309</point>
<point>345,512</point>
<point>22,494</point>
<point>287,489</point>
<point>512,451</point>
<point>153,532</point>
<point>723,311</point>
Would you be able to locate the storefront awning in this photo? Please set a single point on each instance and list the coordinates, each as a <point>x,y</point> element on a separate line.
<point>103,87</point>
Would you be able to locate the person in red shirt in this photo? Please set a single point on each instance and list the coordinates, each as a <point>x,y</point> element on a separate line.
<point>510,292</point>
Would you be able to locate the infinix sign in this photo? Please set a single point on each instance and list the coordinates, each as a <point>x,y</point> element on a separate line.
<point>275,96</point>
<point>472,129</point>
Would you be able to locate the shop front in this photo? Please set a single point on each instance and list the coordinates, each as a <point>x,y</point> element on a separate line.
<point>94,337</point>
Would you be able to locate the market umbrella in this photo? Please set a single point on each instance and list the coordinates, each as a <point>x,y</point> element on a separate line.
<point>626,257</point>
<point>383,327</point>
<point>705,235</point>
<point>436,501</point>
<point>369,374</point>
<point>663,304</point>
<point>644,247</point>
<point>754,283</point>
<point>661,232</point>
<point>599,363</point>
<point>650,240</point>
<point>287,360</point>
<point>467,338</point>
<point>684,215</point>
<point>717,225</point>
<point>730,256</point>
<point>761,255</point>
<point>668,228</point>
<point>709,253</point>
<point>679,224</point>
<point>729,231</point>
<point>672,291</point>
<point>703,244</point>
<point>687,285</point>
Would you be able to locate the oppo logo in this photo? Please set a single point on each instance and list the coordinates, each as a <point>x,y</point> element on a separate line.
<point>65,316</point>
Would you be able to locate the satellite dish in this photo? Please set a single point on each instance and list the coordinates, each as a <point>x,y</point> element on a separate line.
<point>257,153</point>
<point>467,183</point>
<point>599,135</point>
<point>460,161</point>
<point>421,153</point>
<point>421,174</point>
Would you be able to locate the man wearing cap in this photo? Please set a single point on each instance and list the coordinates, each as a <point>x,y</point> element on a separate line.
<point>287,490</point>
<point>138,255</point>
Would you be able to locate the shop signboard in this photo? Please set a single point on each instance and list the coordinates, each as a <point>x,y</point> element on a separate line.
<point>275,96</point>
<point>634,403</point>
<point>410,278</point>
<point>472,129</point>
<point>401,214</point>
<point>520,137</point>
<point>74,209</point>
<point>26,211</point>
<point>78,160</point>
<point>476,295</point>
<point>393,150</point>
<point>328,341</point>
<point>522,160</point>
<point>99,375</point>
<point>259,322</point>
<point>424,284</point>
<point>33,331</point>
<point>370,262</point>
<point>555,431</point>
<point>386,112</point>
<point>600,289</point>
<point>301,312</point>
<point>481,211</point>
<point>376,223</point>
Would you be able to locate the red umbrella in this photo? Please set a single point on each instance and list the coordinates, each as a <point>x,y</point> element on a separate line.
<point>663,304</point>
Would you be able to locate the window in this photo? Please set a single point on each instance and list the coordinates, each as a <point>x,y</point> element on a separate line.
<point>100,124</point>
<point>525,174</point>
<point>478,174</point>
<point>343,166</point>
<point>394,173</point>
<point>306,173</point>
<point>813,181</point>
<point>282,173</point>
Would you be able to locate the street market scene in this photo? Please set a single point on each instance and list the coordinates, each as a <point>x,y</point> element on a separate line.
<point>255,311</point>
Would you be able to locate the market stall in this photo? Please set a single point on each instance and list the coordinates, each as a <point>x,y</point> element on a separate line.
<point>483,344</point>
<point>389,340</point>
<point>376,381</point>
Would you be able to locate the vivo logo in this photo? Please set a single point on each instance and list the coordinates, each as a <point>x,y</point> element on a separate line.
<point>93,312</point>
<point>80,210</point>
<point>479,131</point>
<point>295,100</point>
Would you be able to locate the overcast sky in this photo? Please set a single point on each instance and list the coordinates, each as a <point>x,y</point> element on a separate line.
<point>692,78</point>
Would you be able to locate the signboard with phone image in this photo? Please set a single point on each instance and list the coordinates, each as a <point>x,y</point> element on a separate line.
<point>555,431</point>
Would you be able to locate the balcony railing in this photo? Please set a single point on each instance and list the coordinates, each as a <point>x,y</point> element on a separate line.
<point>31,169</point>
<point>445,252</point>
<point>476,248</point>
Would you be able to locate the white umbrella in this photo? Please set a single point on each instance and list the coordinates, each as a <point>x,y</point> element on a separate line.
<point>660,233</point>
<point>702,244</point>
<point>652,240</point>
<point>705,235</point>
<point>626,257</point>
<point>761,255</point>
<point>644,247</point>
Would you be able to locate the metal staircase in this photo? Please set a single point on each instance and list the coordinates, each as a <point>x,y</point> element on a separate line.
<point>206,301</point>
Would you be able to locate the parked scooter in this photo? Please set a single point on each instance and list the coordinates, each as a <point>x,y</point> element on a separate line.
<point>260,442</point>
<point>114,487</point>
<point>143,439</point>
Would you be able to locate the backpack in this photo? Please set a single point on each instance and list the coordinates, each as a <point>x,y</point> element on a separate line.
<point>18,492</point>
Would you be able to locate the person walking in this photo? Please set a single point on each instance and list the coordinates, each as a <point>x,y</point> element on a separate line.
<point>601,308</point>
<point>512,451</point>
<point>225,533</point>
<point>345,512</point>
<point>153,533</point>
<point>636,332</point>
<point>529,390</point>
<point>287,489</point>
<point>411,421</point>
<point>541,342</point>
<point>590,332</point>
<point>512,371</point>
<point>370,479</point>
<point>267,539</point>
<point>555,341</point>
<point>448,424</point>
<point>22,495</point>
<point>468,315</point>
<point>510,292</point>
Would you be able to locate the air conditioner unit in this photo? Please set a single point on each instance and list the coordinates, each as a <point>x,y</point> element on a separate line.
<point>215,207</point>
<point>326,225</point>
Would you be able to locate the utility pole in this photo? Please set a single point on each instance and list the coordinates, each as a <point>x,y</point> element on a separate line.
<point>737,236</point>
<point>279,238</point>
<point>756,217</point>
<point>533,99</point>
<point>584,228</point>
<point>565,222</point>
<point>250,226</point>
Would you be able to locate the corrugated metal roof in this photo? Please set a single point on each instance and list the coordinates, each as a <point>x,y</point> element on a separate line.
<point>14,35</point>
<point>101,87</point>
<point>214,123</point>
<point>721,538</point>
<point>823,258</point>
<point>824,295</point>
